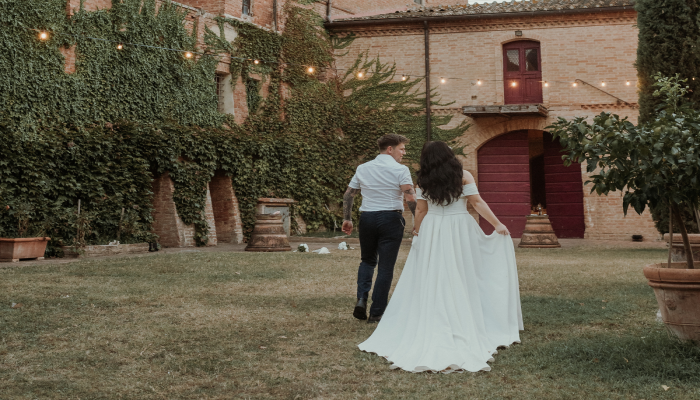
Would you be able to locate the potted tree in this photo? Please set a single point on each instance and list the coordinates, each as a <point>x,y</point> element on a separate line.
<point>655,164</point>
<point>29,242</point>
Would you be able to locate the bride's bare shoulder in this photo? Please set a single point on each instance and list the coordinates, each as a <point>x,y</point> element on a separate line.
<point>467,177</point>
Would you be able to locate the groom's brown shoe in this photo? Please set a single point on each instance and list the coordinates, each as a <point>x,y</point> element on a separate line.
<point>373,319</point>
<point>360,311</point>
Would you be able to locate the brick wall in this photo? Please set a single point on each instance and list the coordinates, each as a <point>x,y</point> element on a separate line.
<point>168,225</point>
<point>593,48</point>
<point>229,228</point>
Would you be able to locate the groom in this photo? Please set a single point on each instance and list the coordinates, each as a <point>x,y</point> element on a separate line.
<point>383,183</point>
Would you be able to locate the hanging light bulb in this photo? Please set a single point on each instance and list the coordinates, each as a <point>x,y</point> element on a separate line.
<point>546,84</point>
<point>478,82</point>
<point>404,77</point>
<point>188,54</point>
<point>360,74</point>
<point>513,84</point>
<point>574,84</point>
<point>602,84</point>
<point>442,80</point>
<point>310,70</point>
<point>628,83</point>
<point>256,62</point>
<point>43,35</point>
<point>120,46</point>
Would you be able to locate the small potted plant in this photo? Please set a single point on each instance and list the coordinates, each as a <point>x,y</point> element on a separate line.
<point>655,164</point>
<point>30,241</point>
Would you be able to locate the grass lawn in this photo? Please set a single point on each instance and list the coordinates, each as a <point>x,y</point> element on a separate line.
<point>204,325</point>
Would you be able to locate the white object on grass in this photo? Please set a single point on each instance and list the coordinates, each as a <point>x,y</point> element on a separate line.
<point>342,246</point>
<point>322,250</point>
<point>303,248</point>
<point>114,243</point>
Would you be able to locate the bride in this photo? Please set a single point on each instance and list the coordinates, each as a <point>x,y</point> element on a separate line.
<point>457,299</point>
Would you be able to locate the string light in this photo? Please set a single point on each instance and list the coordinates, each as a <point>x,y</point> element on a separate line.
<point>44,35</point>
<point>602,84</point>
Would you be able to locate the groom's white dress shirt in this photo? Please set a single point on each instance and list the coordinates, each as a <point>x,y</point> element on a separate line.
<point>380,182</point>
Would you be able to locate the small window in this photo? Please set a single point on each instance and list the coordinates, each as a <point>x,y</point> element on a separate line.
<point>531,60</point>
<point>253,97</point>
<point>246,7</point>
<point>418,1</point>
<point>219,79</point>
<point>513,60</point>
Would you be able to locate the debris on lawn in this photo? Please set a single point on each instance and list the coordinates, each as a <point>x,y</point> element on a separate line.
<point>665,387</point>
<point>16,305</point>
<point>342,246</point>
<point>322,250</point>
<point>303,248</point>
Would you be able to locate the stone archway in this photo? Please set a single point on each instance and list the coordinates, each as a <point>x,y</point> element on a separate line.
<point>521,169</point>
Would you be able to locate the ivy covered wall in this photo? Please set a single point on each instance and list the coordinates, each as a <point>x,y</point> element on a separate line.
<point>101,134</point>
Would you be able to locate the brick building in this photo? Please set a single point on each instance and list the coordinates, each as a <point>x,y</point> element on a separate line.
<point>512,69</point>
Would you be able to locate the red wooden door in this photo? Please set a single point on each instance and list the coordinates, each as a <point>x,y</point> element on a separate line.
<point>504,180</point>
<point>564,191</point>
<point>522,73</point>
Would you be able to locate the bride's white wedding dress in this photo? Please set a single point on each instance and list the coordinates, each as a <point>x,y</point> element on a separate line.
<point>457,299</point>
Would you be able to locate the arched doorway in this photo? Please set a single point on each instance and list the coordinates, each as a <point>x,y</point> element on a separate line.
<point>523,169</point>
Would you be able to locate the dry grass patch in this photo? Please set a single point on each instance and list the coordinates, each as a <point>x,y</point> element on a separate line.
<point>240,325</point>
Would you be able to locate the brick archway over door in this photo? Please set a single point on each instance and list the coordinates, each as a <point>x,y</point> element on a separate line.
<point>564,191</point>
<point>504,180</point>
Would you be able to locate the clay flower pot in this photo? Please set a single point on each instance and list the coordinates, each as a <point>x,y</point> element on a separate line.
<point>677,291</point>
<point>15,249</point>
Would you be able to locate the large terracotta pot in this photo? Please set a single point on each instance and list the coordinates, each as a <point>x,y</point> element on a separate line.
<point>21,248</point>
<point>677,291</point>
<point>268,234</point>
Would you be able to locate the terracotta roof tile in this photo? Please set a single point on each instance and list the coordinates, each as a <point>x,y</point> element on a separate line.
<point>495,8</point>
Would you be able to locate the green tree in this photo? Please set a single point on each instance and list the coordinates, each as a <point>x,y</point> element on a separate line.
<point>668,44</point>
<point>655,164</point>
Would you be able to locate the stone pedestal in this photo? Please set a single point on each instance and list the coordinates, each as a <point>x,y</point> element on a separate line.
<point>538,233</point>
<point>270,205</point>
<point>268,234</point>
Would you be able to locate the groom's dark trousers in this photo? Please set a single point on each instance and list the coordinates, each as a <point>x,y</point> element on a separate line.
<point>381,233</point>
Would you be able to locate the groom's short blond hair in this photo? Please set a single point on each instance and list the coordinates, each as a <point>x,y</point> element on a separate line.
<point>391,140</point>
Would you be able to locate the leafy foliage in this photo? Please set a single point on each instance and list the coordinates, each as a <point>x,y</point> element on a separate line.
<point>655,164</point>
<point>668,44</point>
<point>652,163</point>
<point>102,134</point>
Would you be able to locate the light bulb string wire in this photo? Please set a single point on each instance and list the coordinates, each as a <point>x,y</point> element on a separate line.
<point>285,63</point>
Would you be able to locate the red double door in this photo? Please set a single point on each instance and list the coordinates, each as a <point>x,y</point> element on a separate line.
<point>522,73</point>
<point>504,183</point>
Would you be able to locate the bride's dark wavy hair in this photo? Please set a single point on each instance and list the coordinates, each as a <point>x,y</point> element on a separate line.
<point>440,174</point>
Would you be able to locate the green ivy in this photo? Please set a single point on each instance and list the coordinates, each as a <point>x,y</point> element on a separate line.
<point>103,133</point>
